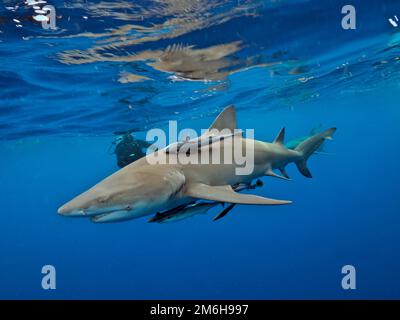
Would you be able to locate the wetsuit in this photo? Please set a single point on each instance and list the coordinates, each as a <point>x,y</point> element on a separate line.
<point>129,150</point>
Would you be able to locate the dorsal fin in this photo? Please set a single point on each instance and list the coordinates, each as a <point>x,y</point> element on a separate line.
<point>225,120</point>
<point>281,136</point>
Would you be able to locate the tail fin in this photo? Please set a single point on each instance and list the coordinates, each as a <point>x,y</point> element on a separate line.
<point>309,146</point>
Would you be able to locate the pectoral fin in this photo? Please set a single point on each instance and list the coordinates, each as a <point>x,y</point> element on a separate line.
<point>226,194</point>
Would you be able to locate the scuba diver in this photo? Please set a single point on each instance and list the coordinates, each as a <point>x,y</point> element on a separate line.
<point>128,149</point>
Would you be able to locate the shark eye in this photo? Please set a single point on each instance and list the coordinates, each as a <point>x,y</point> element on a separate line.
<point>102,199</point>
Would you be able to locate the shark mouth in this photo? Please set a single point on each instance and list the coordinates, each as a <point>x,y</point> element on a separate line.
<point>113,216</point>
<point>92,212</point>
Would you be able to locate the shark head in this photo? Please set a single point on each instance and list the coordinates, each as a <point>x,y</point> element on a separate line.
<point>127,193</point>
<point>100,199</point>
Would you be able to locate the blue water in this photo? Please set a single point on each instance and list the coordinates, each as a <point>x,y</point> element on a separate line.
<point>64,92</point>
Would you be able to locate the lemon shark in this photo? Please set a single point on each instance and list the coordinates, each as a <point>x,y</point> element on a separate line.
<point>145,187</point>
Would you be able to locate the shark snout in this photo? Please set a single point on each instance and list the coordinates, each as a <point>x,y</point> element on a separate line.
<point>74,208</point>
<point>67,210</point>
<point>62,210</point>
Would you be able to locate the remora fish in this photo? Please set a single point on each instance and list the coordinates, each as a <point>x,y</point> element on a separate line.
<point>183,212</point>
<point>180,213</point>
<point>143,187</point>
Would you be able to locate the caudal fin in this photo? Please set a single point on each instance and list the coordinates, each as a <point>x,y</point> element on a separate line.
<point>309,146</point>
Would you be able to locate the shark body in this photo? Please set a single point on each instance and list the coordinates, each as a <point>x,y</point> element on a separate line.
<point>143,188</point>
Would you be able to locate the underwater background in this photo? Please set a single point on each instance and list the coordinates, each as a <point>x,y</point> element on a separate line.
<point>113,66</point>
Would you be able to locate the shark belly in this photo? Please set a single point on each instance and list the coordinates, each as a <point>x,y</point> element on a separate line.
<point>139,212</point>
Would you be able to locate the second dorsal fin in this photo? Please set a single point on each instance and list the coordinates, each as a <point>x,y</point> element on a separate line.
<point>280,137</point>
